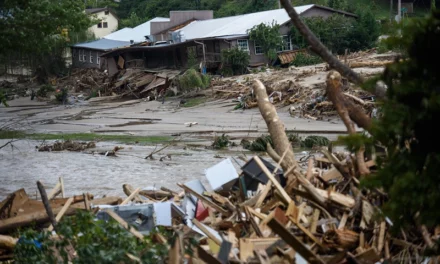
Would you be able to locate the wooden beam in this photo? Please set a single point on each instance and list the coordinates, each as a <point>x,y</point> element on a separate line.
<point>131,197</point>
<point>62,187</point>
<point>277,185</point>
<point>62,212</point>
<point>206,201</point>
<point>124,224</point>
<point>294,242</point>
<point>206,232</point>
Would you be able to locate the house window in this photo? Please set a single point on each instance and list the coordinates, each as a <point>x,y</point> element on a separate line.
<point>243,44</point>
<point>258,49</point>
<point>287,43</point>
<point>84,56</point>
<point>99,25</point>
<point>79,55</point>
<point>105,25</point>
<point>98,59</point>
<point>91,57</point>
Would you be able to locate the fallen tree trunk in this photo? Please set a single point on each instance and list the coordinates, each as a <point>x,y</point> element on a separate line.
<point>369,64</point>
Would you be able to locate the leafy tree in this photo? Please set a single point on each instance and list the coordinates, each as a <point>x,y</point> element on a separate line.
<point>101,3</point>
<point>132,21</point>
<point>365,31</point>
<point>337,4</point>
<point>235,61</point>
<point>267,36</point>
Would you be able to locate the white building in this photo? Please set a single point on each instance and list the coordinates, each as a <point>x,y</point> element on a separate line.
<point>108,21</point>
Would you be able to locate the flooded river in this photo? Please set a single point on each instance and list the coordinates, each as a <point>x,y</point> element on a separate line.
<point>22,166</point>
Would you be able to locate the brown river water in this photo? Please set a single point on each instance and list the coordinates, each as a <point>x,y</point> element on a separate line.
<point>22,166</point>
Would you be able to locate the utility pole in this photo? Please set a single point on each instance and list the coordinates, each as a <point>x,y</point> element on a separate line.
<point>391,11</point>
<point>399,10</point>
<point>279,4</point>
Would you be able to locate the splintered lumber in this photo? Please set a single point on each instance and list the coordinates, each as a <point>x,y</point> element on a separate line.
<point>338,198</point>
<point>131,197</point>
<point>337,238</point>
<point>206,232</point>
<point>174,253</point>
<point>269,175</point>
<point>55,191</point>
<point>206,257</point>
<point>7,242</point>
<point>144,80</point>
<point>128,190</point>
<point>204,200</point>
<point>62,212</point>
<point>125,224</point>
<point>294,242</point>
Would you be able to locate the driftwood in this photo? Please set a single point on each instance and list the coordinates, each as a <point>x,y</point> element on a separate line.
<point>345,239</point>
<point>369,64</point>
<point>128,190</point>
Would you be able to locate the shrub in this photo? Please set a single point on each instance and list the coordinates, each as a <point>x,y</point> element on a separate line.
<point>234,61</point>
<point>315,141</point>
<point>304,59</point>
<point>221,142</point>
<point>44,90</point>
<point>61,95</point>
<point>193,79</point>
<point>259,144</point>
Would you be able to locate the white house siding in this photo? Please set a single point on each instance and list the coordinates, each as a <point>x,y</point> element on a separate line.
<point>112,23</point>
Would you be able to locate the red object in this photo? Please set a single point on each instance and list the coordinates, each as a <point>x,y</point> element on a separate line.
<point>201,211</point>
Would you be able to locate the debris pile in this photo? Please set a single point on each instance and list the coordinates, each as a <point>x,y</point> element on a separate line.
<point>67,145</point>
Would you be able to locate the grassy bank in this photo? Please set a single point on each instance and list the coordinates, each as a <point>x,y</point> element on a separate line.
<point>127,139</point>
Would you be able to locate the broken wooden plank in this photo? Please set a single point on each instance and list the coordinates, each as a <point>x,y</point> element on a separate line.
<point>62,212</point>
<point>294,242</point>
<point>275,183</point>
<point>131,197</point>
<point>206,232</point>
<point>7,242</point>
<point>124,224</point>
<point>206,201</point>
<point>338,198</point>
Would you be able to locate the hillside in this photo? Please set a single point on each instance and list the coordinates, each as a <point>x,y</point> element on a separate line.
<point>147,9</point>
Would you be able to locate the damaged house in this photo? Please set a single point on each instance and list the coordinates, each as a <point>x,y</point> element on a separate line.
<point>198,30</point>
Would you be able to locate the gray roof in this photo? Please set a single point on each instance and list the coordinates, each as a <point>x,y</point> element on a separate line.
<point>95,10</point>
<point>103,44</point>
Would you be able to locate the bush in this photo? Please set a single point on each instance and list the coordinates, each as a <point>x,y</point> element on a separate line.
<point>221,142</point>
<point>193,79</point>
<point>234,61</point>
<point>61,95</point>
<point>95,241</point>
<point>304,59</point>
<point>268,38</point>
<point>315,141</point>
<point>44,90</point>
<point>259,144</point>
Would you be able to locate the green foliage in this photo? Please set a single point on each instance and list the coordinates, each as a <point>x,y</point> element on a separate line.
<point>31,26</point>
<point>44,90</point>
<point>95,241</point>
<point>337,4</point>
<point>3,99</point>
<point>193,79</point>
<point>267,36</point>
<point>234,61</point>
<point>132,21</point>
<point>339,33</point>
<point>259,144</point>
<point>315,141</point>
<point>409,170</point>
<point>221,142</point>
<point>304,59</point>
<point>192,58</point>
<point>61,95</point>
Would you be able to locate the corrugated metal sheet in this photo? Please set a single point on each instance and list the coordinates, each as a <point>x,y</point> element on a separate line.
<point>137,34</point>
<point>236,25</point>
<point>103,44</point>
<point>287,57</point>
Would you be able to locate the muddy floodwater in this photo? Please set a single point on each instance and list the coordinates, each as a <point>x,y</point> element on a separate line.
<point>23,165</point>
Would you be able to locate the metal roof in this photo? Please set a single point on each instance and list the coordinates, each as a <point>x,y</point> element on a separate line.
<point>237,25</point>
<point>102,44</point>
<point>137,34</point>
<point>95,10</point>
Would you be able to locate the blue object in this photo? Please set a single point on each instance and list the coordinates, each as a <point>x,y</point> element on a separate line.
<point>25,241</point>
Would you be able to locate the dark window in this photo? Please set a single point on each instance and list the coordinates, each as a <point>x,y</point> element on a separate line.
<point>107,12</point>
<point>99,25</point>
<point>105,25</point>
